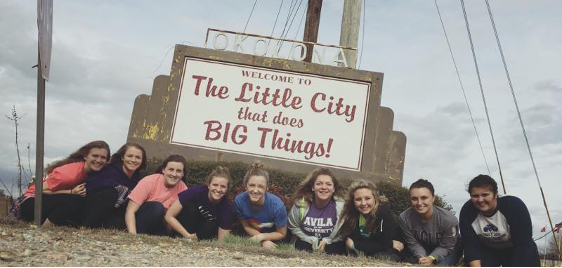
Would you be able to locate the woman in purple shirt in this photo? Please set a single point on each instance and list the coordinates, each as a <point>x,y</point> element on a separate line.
<point>107,190</point>
<point>317,205</point>
<point>204,211</point>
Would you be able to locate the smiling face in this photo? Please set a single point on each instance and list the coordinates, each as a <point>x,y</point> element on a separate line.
<point>323,188</point>
<point>256,188</point>
<point>364,200</point>
<point>484,199</point>
<point>132,159</point>
<point>422,201</point>
<point>95,160</point>
<point>217,189</point>
<point>173,173</point>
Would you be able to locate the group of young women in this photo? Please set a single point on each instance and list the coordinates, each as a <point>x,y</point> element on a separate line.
<point>82,190</point>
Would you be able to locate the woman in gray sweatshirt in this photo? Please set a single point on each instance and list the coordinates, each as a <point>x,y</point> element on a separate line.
<point>316,209</point>
<point>430,232</point>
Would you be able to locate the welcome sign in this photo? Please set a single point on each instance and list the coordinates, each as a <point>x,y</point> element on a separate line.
<point>271,113</point>
<point>218,105</point>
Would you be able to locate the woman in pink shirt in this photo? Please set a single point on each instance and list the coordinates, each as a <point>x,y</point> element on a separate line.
<point>153,195</point>
<point>63,188</point>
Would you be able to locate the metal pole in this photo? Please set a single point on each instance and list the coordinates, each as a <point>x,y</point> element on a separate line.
<point>39,143</point>
<point>311,26</point>
<point>349,33</point>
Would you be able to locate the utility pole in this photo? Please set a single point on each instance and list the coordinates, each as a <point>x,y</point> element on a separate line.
<point>40,139</point>
<point>311,26</point>
<point>349,36</point>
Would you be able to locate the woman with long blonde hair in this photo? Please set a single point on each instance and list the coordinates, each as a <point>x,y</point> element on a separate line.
<point>368,225</point>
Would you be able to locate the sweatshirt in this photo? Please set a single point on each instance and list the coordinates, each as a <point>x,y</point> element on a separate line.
<point>297,215</point>
<point>110,176</point>
<point>440,233</point>
<point>509,228</point>
<point>381,237</point>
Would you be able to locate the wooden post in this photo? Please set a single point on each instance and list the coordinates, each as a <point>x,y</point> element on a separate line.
<point>311,26</point>
<point>349,36</point>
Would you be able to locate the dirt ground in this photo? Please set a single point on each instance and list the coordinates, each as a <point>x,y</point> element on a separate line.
<point>23,244</point>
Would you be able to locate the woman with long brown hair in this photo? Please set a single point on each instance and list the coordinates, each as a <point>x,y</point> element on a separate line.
<point>317,206</point>
<point>63,187</point>
<point>107,190</point>
<point>368,225</point>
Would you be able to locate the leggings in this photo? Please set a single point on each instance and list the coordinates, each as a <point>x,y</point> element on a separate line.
<point>336,248</point>
<point>149,219</point>
<point>60,209</point>
<point>99,208</point>
<point>504,257</point>
<point>191,219</point>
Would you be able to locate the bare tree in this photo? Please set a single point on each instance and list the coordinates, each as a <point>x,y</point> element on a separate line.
<point>552,250</point>
<point>15,119</point>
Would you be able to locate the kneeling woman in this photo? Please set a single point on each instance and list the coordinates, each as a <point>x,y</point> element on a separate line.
<point>63,188</point>
<point>153,195</point>
<point>263,215</point>
<point>204,211</point>
<point>107,190</point>
<point>496,231</point>
<point>368,225</point>
<point>313,218</point>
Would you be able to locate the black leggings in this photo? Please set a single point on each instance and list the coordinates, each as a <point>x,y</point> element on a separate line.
<point>192,220</point>
<point>99,209</point>
<point>336,248</point>
<point>60,209</point>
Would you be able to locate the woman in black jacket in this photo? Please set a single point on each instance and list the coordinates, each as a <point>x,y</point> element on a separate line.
<point>368,225</point>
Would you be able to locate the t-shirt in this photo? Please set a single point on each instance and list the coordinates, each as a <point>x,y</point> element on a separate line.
<point>152,188</point>
<point>509,228</point>
<point>320,222</point>
<point>493,231</point>
<point>365,233</point>
<point>64,177</point>
<point>267,218</point>
<point>437,237</point>
<point>221,212</point>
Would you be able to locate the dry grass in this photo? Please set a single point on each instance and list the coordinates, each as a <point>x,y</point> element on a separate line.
<point>233,244</point>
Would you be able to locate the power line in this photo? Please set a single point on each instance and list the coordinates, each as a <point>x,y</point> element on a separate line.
<point>278,12</point>
<point>300,23</point>
<point>521,121</point>
<point>362,35</point>
<point>251,12</point>
<point>555,229</point>
<point>293,19</point>
<point>462,86</point>
<point>291,8</point>
<point>482,92</point>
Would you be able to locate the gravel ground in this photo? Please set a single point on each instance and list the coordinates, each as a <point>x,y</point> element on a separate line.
<point>23,244</point>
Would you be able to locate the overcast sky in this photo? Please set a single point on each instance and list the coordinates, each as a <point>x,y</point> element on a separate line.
<point>105,53</point>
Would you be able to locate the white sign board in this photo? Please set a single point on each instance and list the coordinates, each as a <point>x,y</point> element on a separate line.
<point>271,113</point>
<point>45,28</point>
